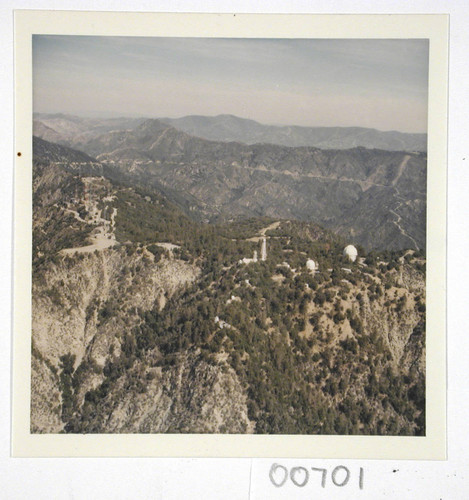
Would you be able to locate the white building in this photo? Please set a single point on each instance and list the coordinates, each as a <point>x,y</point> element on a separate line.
<point>248,261</point>
<point>311,265</point>
<point>350,252</point>
<point>222,324</point>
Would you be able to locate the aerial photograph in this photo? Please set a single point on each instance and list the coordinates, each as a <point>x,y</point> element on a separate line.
<point>229,235</point>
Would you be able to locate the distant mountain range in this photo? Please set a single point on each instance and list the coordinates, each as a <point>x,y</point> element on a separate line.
<point>375,198</point>
<point>75,131</point>
<point>231,128</point>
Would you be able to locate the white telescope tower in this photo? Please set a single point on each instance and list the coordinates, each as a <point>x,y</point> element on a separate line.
<point>264,249</point>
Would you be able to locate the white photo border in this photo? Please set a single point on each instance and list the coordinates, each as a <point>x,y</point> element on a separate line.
<point>425,26</point>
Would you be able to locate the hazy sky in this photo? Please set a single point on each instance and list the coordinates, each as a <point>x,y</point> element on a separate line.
<point>370,83</point>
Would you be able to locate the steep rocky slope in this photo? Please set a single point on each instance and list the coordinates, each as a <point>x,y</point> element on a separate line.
<point>82,305</point>
<point>190,396</point>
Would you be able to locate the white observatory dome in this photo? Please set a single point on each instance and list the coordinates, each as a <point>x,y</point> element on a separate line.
<point>310,265</point>
<point>350,252</point>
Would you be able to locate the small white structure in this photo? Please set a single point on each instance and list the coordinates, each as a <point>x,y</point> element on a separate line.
<point>222,324</point>
<point>233,298</point>
<point>248,261</point>
<point>350,252</point>
<point>264,249</point>
<point>311,265</point>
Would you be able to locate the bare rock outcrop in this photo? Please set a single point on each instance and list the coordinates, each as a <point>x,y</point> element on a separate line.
<point>82,304</point>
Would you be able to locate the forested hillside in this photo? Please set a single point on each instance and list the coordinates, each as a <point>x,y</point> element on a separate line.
<point>145,320</point>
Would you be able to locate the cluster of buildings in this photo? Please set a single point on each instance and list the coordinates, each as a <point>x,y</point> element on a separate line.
<point>350,252</point>
<point>254,258</point>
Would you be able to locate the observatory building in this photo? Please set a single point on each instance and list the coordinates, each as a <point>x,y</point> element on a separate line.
<point>254,258</point>
<point>311,265</point>
<point>248,261</point>
<point>351,253</point>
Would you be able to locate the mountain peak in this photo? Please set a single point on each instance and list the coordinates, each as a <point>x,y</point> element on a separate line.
<point>152,125</point>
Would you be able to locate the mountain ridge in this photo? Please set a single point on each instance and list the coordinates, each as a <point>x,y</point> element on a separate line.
<point>384,190</point>
<point>232,128</point>
<point>227,128</point>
